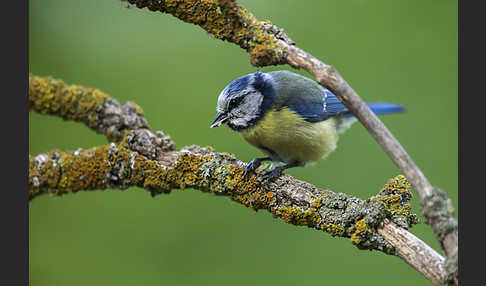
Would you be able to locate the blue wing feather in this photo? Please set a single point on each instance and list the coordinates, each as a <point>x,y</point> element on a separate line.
<point>311,112</point>
<point>329,106</point>
<point>333,104</point>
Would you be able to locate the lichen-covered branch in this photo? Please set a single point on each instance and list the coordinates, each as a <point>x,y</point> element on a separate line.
<point>117,166</point>
<point>96,109</point>
<point>269,45</point>
<point>150,161</point>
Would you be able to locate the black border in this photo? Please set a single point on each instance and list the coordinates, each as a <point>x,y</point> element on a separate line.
<point>14,208</point>
<point>471,129</point>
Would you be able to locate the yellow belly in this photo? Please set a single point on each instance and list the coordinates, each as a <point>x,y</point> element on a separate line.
<point>293,138</point>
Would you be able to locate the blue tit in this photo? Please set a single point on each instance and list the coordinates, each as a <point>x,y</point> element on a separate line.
<point>290,118</point>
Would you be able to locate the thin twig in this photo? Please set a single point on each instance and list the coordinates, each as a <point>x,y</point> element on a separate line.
<point>416,253</point>
<point>440,218</point>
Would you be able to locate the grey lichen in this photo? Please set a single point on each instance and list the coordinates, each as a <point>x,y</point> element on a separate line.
<point>451,268</point>
<point>439,214</point>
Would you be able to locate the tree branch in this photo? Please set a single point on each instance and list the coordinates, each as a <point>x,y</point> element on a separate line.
<point>269,45</point>
<point>115,166</point>
<point>419,255</point>
<point>88,105</point>
<point>149,161</point>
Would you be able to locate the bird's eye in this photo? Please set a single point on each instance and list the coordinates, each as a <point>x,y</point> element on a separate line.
<point>235,102</point>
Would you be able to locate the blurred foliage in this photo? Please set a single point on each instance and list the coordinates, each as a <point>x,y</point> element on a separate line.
<point>397,51</point>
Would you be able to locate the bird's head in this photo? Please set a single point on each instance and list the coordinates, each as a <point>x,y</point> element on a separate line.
<point>244,101</point>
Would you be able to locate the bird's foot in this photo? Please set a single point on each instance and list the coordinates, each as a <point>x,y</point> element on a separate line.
<point>272,175</point>
<point>252,166</point>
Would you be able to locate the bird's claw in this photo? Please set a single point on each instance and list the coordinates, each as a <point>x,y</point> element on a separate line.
<point>252,166</point>
<point>272,175</point>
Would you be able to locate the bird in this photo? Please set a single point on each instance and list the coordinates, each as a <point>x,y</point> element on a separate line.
<point>291,118</point>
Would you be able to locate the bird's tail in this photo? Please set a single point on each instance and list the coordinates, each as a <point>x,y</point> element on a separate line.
<point>345,120</point>
<point>385,107</point>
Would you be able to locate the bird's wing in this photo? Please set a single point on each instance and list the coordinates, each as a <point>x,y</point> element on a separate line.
<point>305,97</point>
<point>314,111</point>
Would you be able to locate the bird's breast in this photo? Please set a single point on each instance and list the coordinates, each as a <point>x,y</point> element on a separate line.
<point>290,138</point>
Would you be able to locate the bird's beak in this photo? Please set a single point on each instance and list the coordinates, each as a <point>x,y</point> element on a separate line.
<point>218,120</point>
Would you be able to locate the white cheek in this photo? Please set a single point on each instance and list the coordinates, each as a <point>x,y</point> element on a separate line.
<point>247,111</point>
<point>239,121</point>
<point>252,104</point>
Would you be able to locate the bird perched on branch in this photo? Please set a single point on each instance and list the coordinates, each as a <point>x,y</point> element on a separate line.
<point>290,118</point>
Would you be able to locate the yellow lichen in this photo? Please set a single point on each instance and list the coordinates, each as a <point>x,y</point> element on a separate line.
<point>362,231</point>
<point>71,102</point>
<point>295,215</point>
<point>207,158</point>
<point>317,203</point>
<point>137,108</point>
<point>333,229</point>
<point>396,195</point>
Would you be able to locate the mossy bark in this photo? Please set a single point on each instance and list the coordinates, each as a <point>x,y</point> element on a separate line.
<point>91,106</point>
<point>161,169</point>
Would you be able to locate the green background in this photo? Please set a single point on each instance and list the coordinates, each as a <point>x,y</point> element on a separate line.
<point>397,51</point>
